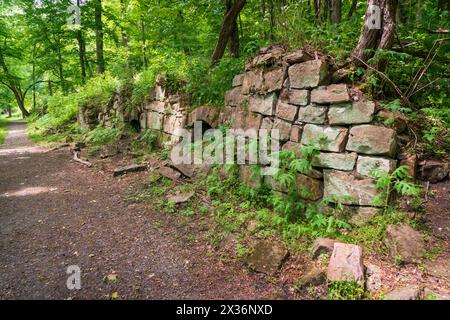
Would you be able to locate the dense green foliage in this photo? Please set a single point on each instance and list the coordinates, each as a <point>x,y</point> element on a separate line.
<point>145,38</point>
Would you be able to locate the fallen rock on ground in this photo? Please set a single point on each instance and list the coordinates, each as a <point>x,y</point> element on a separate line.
<point>313,276</point>
<point>181,197</point>
<point>185,169</point>
<point>169,173</point>
<point>406,293</point>
<point>373,277</point>
<point>434,171</point>
<point>267,256</point>
<point>346,263</point>
<point>128,169</point>
<point>405,244</point>
<point>322,246</point>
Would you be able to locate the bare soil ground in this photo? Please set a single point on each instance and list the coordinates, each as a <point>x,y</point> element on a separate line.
<point>55,213</point>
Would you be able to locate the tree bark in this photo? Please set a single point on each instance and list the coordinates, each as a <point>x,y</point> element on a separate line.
<point>99,37</point>
<point>372,38</point>
<point>81,52</point>
<point>144,46</point>
<point>234,36</point>
<point>226,29</point>
<point>444,5</point>
<point>336,11</point>
<point>352,9</point>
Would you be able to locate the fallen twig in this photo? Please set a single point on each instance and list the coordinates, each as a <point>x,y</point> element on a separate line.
<point>77,159</point>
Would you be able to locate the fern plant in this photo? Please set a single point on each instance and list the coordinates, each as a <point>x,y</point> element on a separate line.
<point>397,181</point>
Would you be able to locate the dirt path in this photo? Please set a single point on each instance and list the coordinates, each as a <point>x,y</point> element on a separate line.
<point>55,213</point>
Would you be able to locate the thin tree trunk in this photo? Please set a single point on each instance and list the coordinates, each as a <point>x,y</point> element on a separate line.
<point>226,30</point>
<point>9,109</point>
<point>99,37</point>
<point>61,71</point>
<point>234,36</point>
<point>352,9</point>
<point>144,46</point>
<point>34,85</point>
<point>336,11</point>
<point>372,38</point>
<point>50,89</point>
<point>81,52</point>
<point>82,55</point>
<point>444,5</point>
<point>317,6</point>
<point>419,10</point>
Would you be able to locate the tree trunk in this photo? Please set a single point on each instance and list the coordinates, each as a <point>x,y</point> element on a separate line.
<point>444,5</point>
<point>61,71</point>
<point>234,36</point>
<point>50,89</point>
<point>373,38</point>
<point>317,5</point>
<point>99,37</point>
<point>34,86</point>
<point>81,52</point>
<point>419,10</point>
<point>9,109</point>
<point>144,46</point>
<point>352,8</point>
<point>336,11</point>
<point>226,29</point>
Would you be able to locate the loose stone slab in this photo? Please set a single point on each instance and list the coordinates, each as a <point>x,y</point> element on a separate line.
<point>362,216</point>
<point>267,257</point>
<point>343,185</point>
<point>128,169</point>
<point>169,173</point>
<point>338,161</point>
<point>325,138</point>
<point>322,246</point>
<point>404,243</point>
<point>365,165</point>
<point>181,197</point>
<point>313,277</point>
<point>346,263</point>
<point>373,277</point>
<point>296,97</point>
<point>263,104</point>
<point>308,74</point>
<point>406,293</point>
<point>334,93</point>
<point>351,113</point>
<point>286,111</point>
<point>312,114</point>
<point>370,139</point>
<point>297,57</point>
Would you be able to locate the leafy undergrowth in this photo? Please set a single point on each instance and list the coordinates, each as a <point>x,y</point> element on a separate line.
<point>248,214</point>
<point>3,125</point>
